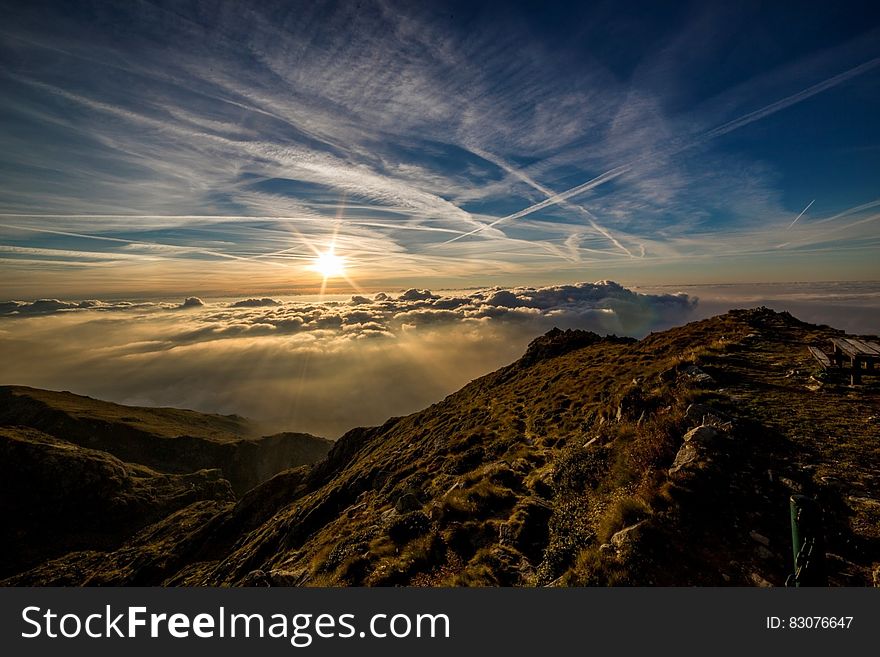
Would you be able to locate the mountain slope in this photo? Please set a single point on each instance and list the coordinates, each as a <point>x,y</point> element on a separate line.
<point>56,497</point>
<point>591,460</point>
<point>165,439</point>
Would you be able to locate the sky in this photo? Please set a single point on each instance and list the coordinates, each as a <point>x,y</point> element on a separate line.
<point>157,149</point>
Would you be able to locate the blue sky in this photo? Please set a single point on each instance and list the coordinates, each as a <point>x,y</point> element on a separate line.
<point>210,147</point>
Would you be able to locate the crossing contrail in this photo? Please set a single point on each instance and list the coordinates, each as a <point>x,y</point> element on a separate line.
<point>717,131</point>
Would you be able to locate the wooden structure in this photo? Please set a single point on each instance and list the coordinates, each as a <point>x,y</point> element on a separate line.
<point>856,352</point>
<point>820,356</point>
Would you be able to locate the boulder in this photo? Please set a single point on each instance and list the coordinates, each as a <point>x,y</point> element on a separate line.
<point>406,503</point>
<point>698,376</point>
<point>704,414</point>
<point>626,537</point>
<point>703,435</point>
<point>686,456</point>
<point>696,452</point>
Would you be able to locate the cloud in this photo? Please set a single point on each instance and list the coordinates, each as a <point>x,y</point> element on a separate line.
<point>322,367</point>
<point>255,303</point>
<point>416,295</point>
<point>192,302</point>
<point>51,306</point>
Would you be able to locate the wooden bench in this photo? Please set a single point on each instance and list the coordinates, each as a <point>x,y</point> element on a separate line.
<point>858,352</point>
<point>819,355</point>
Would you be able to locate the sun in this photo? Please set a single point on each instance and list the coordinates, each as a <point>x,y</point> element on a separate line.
<point>329,265</point>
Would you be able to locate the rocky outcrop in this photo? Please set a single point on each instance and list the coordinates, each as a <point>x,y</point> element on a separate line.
<point>697,453</point>
<point>557,342</point>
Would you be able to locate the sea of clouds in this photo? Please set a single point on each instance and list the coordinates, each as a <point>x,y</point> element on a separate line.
<point>327,365</point>
<point>321,366</point>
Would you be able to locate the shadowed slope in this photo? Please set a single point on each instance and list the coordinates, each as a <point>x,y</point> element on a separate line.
<point>56,497</point>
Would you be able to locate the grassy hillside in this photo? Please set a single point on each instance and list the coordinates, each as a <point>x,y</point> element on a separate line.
<point>166,439</point>
<point>600,461</point>
<point>50,410</point>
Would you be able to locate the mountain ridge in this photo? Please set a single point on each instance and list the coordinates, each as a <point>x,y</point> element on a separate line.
<point>170,440</point>
<point>592,460</point>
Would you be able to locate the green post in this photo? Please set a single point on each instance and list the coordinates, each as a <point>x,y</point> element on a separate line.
<point>808,548</point>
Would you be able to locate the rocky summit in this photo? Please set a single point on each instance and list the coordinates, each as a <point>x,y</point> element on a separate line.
<point>591,461</point>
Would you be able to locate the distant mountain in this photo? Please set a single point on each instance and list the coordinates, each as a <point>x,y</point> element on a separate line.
<point>56,497</point>
<point>591,461</point>
<point>167,439</point>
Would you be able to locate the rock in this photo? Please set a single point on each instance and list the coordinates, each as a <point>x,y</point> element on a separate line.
<point>687,455</point>
<point>759,538</point>
<point>876,575</point>
<point>764,553</point>
<point>704,414</point>
<point>791,485</point>
<point>557,342</point>
<point>407,502</point>
<point>257,578</point>
<point>696,451</point>
<point>626,536</point>
<point>556,583</point>
<point>759,581</point>
<point>697,375</point>
<point>289,578</point>
<point>703,435</point>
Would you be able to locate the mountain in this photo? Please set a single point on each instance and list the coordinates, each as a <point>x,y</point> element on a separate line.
<point>590,461</point>
<point>57,497</point>
<point>166,439</point>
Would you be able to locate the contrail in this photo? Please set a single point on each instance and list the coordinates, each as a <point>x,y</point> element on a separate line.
<point>801,214</point>
<point>531,182</point>
<point>788,101</point>
<point>553,200</point>
<point>852,210</point>
<point>722,129</point>
<point>102,238</point>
